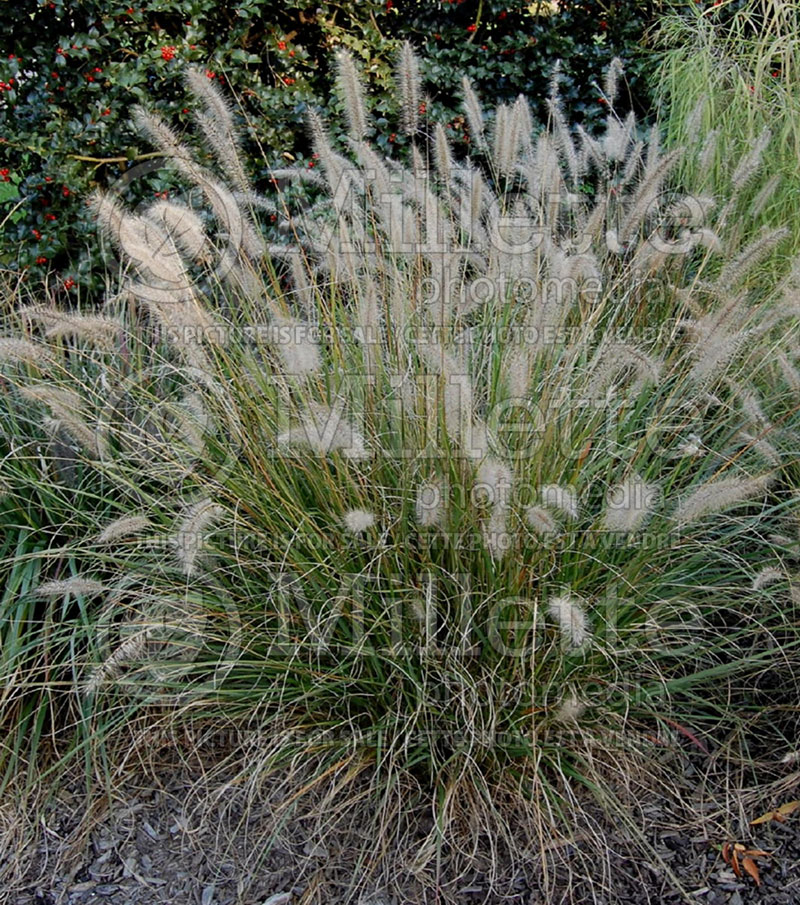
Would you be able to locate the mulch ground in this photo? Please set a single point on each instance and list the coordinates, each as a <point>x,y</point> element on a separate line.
<point>158,842</point>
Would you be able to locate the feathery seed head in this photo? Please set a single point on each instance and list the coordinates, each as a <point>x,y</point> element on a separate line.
<point>159,133</point>
<point>518,371</point>
<point>563,498</point>
<point>444,156</point>
<point>409,85</point>
<point>217,125</point>
<point>184,226</point>
<point>494,483</point>
<point>616,358</point>
<point>325,430</point>
<point>713,353</point>
<point>542,521</point>
<point>474,114</point>
<point>629,505</point>
<point>751,162</point>
<point>716,496</point>
<point>570,710</point>
<point>571,619</point>
<point>616,140</point>
<point>46,315</point>
<point>351,92</point>
<point>430,504</point>
<point>297,346</point>
<point>102,332</point>
<point>123,527</point>
<point>193,528</point>
<point>611,84</point>
<point>357,521</point>
<point>131,650</point>
<point>77,586</point>
<point>708,151</point>
<point>21,351</point>
<point>69,409</point>
<point>768,576</point>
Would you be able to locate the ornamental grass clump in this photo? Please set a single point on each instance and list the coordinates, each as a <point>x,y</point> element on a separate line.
<point>727,86</point>
<point>457,498</point>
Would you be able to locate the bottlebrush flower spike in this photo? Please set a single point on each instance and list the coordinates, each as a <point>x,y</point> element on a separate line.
<point>571,619</point>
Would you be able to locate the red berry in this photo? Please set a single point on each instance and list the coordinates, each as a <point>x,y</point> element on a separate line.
<point>472,27</point>
<point>167,52</point>
<point>281,45</point>
<point>41,259</point>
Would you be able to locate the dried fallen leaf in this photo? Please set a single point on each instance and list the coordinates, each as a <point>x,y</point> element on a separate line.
<point>780,814</point>
<point>734,859</point>
<point>752,868</point>
<point>733,852</point>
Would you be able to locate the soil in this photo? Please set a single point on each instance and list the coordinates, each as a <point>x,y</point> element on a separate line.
<point>154,840</point>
